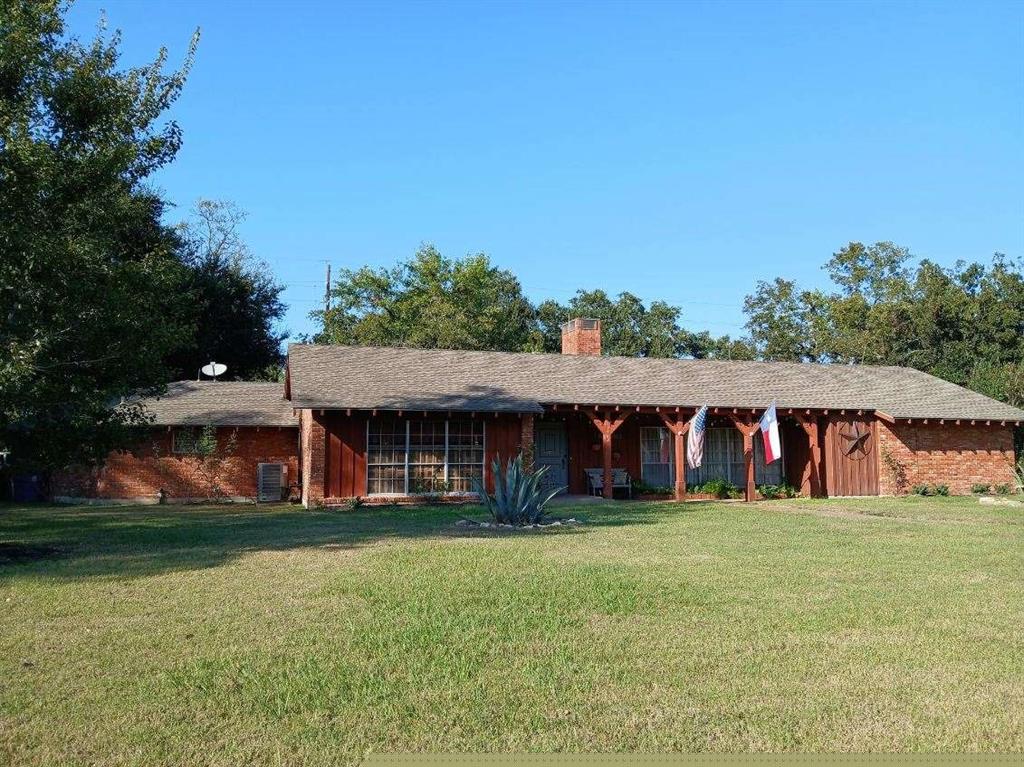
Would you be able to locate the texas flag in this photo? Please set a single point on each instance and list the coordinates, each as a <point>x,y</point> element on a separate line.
<point>770,434</point>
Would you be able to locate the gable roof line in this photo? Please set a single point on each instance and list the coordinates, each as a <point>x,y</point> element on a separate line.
<point>392,378</point>
<point>221,403</point>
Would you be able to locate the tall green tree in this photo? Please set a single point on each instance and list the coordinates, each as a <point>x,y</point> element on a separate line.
<point>89,278</point>
<point>782,321</point>
<point>430,302</point>
<point>628,327</point>
<point>701,345</point>
<point>964,323</point>
<point>233,302</point>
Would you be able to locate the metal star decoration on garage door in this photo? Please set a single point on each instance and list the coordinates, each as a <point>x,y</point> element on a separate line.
<point>857,445</point>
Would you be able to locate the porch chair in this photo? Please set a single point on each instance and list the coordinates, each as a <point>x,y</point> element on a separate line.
<point>620,481</point>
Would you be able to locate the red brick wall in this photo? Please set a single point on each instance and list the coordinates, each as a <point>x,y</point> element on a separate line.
<point>946,454</point>
<point>140,473</point>
<point>526,440</point>
<point>314,454</point>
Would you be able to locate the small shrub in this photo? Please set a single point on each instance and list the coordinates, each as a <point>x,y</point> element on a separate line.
<point>642,488</point>
<point>940,490</point>
<point>349,504</point>
<point>432,490</point>
<point>785,490</point>
<point>719,488</point>
<point>980,488</point>
<point>1003,489</point>
<point>921,490</point>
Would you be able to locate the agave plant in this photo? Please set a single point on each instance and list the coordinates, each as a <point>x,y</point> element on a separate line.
<point>518,498</point>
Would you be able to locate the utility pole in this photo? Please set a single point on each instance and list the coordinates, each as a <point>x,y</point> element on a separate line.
<point>327,290</point>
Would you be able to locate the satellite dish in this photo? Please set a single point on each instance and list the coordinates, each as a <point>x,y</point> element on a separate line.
<point>214,369</point>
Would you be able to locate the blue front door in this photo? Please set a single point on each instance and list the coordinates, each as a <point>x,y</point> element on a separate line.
<point>551,450</point>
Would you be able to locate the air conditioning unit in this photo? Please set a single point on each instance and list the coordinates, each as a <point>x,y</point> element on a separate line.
<point>271,481</point>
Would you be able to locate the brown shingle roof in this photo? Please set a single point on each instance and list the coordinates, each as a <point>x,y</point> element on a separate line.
<point>222,403</point>
<point>333,377</point>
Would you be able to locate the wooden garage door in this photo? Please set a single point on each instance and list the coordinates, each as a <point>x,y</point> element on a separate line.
<point>851,456</point>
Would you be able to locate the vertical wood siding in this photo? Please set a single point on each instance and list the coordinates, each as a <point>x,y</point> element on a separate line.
<point>846,475</point>
<point>502,441</point>
<point>345,466</point>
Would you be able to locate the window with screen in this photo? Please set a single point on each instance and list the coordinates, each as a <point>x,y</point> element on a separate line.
<point>657,456</point>
<point>723,458</point>
<point>426,456</point>
<point>423,456</point>
<point>385,457</point>
<point>465,454</point>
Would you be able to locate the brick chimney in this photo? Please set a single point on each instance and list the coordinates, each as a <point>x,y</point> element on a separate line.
<point>582,337</point>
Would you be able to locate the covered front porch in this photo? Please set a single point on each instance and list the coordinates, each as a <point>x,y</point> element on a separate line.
<point>650,444</point>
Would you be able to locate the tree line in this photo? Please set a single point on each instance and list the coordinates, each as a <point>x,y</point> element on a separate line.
<point>964,324</point>
<point>434,302</point>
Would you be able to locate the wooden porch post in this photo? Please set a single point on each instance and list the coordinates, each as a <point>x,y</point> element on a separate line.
<point>747,429</point>
<point>606,456</point>
<point>748,462</point>
<point>607,427</point>
<point>679,428</point>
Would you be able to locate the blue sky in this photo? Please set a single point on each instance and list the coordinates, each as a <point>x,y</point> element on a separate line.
<point>676,150</point>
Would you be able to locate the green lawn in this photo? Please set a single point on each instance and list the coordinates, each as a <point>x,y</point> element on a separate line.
<point>276,635</point>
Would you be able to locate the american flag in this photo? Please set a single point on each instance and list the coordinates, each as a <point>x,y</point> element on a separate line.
<point>695,438</point>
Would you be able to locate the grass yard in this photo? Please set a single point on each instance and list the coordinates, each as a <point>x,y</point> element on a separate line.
<point>274,635</point>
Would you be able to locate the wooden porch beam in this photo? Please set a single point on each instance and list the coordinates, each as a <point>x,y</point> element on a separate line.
<point>885,416</point>
<point>607,427</point>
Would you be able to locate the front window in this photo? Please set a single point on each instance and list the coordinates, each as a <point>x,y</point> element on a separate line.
<point>426,456</point>
<point>657,456</point>
<point>385,456</point>
<point>418,457</point>
<point>723,458</point>
<point>465,455</point>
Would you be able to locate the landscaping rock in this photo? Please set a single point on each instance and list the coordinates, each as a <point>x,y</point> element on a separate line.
<point>554,523</point>
<point>991,500</point>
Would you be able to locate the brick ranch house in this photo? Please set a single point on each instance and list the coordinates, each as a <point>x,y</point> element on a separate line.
<point>385,423</point>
